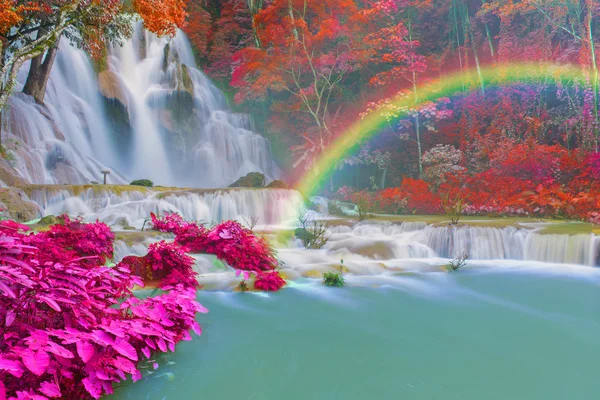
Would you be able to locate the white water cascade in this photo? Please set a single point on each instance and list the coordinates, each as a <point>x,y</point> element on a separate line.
<point>412,240</point>
<point>268,206</point>
<point>150,115</point>
<point>372,242</point>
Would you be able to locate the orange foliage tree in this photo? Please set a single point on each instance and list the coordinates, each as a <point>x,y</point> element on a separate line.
<point>308,50</point>
<point>29,28</point>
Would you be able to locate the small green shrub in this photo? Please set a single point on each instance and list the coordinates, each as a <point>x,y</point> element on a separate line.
<point>313,234</point>
<point>459,262</point>
<point>143,182</point>
<point>333,279</point>
<point>243,286</point>
<point>335,209</point>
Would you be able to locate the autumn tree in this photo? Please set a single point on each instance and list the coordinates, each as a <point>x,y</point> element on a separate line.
<point>308,51</point>
<point>31,30</point>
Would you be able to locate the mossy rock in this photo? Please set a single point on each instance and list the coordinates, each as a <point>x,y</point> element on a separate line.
<point>252,180</point>
<point>50,220</point>
<point>143,182</point>
<point>277,184</point>
<point>17,206</point>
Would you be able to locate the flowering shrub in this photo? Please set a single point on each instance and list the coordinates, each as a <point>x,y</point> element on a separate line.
<point>269,281</point>
<point>71,327</point>
<point>344,193</point>
<point>365,203</point>
<point>229,241</point>
<point>440,161</point>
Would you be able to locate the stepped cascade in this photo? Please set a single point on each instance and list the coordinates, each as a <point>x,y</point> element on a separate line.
<point>150,114</point>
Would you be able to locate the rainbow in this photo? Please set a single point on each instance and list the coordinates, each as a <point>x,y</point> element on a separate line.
<point>373,123</point>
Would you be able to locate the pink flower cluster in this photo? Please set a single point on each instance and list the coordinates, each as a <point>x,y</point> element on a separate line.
<point>70,327</point>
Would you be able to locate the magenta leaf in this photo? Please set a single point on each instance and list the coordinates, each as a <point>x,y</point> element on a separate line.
<point>58,350</point>
<point>53,304</point>
<point>93,387</point>
<point>36,361</point>
<point>85,350</point>
<point>7,291</point>
<point>50,389</point>
<point>124,365</point>
<point>196,327</point>
<point>10,318</point>
<point>124,348</point>
<point>162,345</point>
<point>13,367</point>
<point>2,391</point>
<point>136,376</point>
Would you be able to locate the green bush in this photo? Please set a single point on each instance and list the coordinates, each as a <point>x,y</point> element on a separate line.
<point>143,182</point>
<point>333,279</point>
<point>335,209</point>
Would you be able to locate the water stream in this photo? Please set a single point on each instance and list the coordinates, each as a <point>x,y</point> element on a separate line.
<point>522,334</point>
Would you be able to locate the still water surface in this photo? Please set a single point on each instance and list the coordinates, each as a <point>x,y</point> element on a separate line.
<point>479,334</point>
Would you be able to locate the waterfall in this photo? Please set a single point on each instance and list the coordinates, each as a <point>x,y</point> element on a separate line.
<point>132,207</point>
<point>151,114</point>
<point>418,240</point>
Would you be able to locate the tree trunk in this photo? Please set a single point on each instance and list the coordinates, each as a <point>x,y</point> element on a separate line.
<point>383,177</point>
<point>594,65</point>
<point>39,72</point>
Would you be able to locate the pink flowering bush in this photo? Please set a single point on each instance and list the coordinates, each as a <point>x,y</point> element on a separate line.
<point>71,327</point>
<point>229,241</point>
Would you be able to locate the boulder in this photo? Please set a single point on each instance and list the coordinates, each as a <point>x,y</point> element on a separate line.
<point>17,206</point>
<point>111,86</point>
<point>252,180</point>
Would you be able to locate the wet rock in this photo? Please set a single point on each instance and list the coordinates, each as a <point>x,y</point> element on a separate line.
<point>9,176</point>
<point>112,87</point>
<point>17,205</point>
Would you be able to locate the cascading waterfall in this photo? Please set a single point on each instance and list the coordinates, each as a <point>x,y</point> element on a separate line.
<point>132,207</point>
<point>150,115</point>
<point>418,240</point>
<point>279,208</point>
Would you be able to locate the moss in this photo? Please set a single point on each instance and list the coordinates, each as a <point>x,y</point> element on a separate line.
<point>76,190</point>
<point>252,180</point>
<point>277,184</point>
<point>49,220</point>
